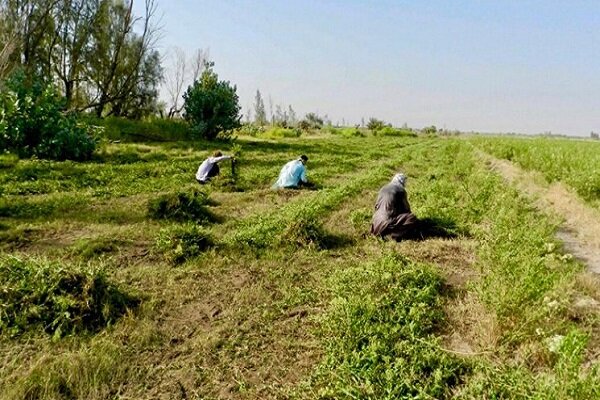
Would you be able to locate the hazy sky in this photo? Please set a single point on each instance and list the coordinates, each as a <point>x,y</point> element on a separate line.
<point>493,66</point>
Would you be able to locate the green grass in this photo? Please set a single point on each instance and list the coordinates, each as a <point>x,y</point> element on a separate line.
<point>379,335</point>
<point>576,163</point>
<point>254,293</point>
<point>59,299</point>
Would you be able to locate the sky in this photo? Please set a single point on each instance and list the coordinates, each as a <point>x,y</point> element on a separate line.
<point>488,66</point>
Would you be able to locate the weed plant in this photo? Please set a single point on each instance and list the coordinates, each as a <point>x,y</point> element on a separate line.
<point>181,242</point>
<point>182,206</point>
<point>59,299</point>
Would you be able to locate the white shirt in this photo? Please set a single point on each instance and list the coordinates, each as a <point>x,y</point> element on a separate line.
<point>206,166</point>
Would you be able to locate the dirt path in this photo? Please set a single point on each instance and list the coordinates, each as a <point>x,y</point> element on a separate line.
<point>580,230</point>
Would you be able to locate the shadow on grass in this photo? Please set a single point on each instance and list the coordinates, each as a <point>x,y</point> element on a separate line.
<point>330,241</point>
<point>429,228</point>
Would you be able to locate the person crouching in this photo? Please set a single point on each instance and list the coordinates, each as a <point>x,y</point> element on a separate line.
<point>210,167</point>
<point>393,216</point>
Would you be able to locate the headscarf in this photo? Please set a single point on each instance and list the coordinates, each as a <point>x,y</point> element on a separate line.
<point>399,179</point>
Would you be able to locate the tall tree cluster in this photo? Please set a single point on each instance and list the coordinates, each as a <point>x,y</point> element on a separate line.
<point>98,52</point>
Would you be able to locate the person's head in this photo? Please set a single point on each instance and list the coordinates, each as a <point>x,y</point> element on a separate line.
<point>304,159</point>
<point>399,179</point>
<point>217,153</point>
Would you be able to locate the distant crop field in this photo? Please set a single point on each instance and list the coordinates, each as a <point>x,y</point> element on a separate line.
<point>121,277</point>
<point>574,162</point>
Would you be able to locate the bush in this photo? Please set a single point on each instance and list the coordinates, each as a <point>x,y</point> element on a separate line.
<point>211,106</point>
<point>32,123</point>
<point>181,206</point>
<point>129,130</point>
<point>58,298</point>
<point>346,132</point>
<point>278,132</point>
<point>181,243</point>
<point>389,131</point>
<point>250,130</point>
<point>310,121</point>
<point>375,124</point>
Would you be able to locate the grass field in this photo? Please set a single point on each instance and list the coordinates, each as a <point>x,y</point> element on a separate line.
<point>123,278</point>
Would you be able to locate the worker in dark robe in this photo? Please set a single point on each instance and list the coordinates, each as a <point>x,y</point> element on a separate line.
<point>392,216</point>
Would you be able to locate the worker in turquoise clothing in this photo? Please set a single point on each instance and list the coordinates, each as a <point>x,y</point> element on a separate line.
<point>293,175</point>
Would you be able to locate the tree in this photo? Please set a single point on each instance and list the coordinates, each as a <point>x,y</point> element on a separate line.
<point>260,115</point>
<point>100,55</point>
<point>211,105</point>
<point>119,52</point>
<point>291,116</point>
<point>375,124</point>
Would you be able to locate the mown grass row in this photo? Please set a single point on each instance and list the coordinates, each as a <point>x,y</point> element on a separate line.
<point>300,222</point>
<point>524,281</point>
<point>538,350</point>
<point>574,162</point>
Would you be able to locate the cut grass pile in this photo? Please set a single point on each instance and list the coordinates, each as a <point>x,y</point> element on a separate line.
<point>191,205</point>
<point>56,298</point>
<point>179,243</point>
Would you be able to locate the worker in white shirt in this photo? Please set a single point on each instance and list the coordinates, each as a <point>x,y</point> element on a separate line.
<point>210,168</point>
<point>293,175</point>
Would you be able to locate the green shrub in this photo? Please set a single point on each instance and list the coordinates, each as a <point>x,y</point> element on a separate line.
<point>180,243</point>
<point>8,160</point>
<point>147,130</point>
<point>346,132</point>
<point>211,106</point>
<point>60,299</point>
<point>375,124</point>
<point>390,131</point>
<point>279,132</point>
<point>250,130</point>
<point>181,206</point>
<point>32,123</point>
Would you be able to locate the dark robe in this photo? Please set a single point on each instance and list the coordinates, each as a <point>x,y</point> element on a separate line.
<point>392,213</point>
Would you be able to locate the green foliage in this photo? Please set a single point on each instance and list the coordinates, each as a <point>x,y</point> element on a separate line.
<point>345,132</point>
<point>279,132</point>
<point>8,160</point>
<point>32,123</point>
<point>211,106</point>
<point>375,124</point>
<point>88,249</point>
<point>181,242</point>
<point>573,162</point>
<point>60,299</point>
<point>311,121</point>
<point>379,335</point>
<point>568,379</point>
<point>146,130</point>
<point>390,131</point>
<point>190,205</point>
<point>429,130</point>
<point>250,130</point>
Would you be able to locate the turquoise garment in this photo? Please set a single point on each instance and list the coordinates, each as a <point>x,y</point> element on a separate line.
<point>291,175</point>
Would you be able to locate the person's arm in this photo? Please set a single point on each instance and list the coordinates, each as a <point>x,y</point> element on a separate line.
<point>303,174</point>
<point>219,159</point>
